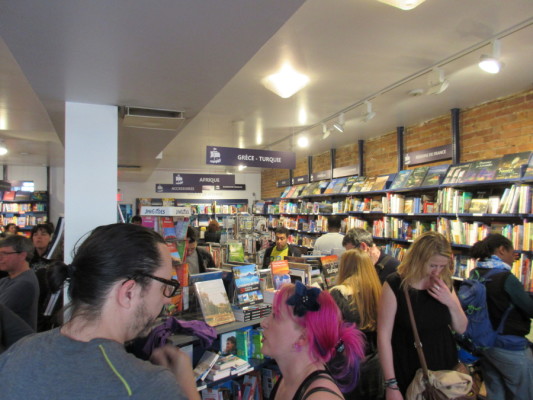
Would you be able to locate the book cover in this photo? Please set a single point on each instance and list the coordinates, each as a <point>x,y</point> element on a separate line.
<point>450,175</point>
<point>401,179</point>
<point>235,252</point>
<point>339,184</point>
<point>289,193</point>
<point>357,184</point>
<point>380,183</point>
<point>285,191</point>
<point>280,273</point>
<point>9,195</point>
<point>435,175</point>
<point>529,168</point>
<point>214,302</point>
<point>461,172</point>
<point>417,177</point>
<point>247,287</point>
<point>204,365</point>
<point>148,221</point>
<point>167,228</point>
<point>205,276</point>
<point>306,189</point>
<point>330,187</point>
<point>369,183</point>
<point>511,165</point>
<point>228,346</point>
<point>330,269</point>
<point>322,185</point>
<point>296,192</point>
<point>301,272</point>
<point>483,170</point>
<point>478,206</point>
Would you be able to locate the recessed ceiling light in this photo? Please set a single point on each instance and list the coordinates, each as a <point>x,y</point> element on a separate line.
<point>405,5</point>
<point>286,82</point>
<point>303,141</point>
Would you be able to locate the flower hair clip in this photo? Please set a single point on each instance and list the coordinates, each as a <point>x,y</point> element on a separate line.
<point>304,299</point>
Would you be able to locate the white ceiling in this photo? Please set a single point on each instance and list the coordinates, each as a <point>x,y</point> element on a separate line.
<point>207,58</point>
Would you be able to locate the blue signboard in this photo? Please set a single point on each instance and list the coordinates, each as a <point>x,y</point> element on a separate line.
<point>166,188</point>
<point>216,155</point>
<point>428,155</point>
<point>203,179</point>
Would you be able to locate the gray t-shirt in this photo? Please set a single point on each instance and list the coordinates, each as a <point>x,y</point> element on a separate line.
<point>62,368</point>
<point>21,295</point>
<point>330,243</point>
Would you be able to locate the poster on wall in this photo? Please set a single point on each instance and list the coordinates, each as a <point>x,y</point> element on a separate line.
<point>216,155</point>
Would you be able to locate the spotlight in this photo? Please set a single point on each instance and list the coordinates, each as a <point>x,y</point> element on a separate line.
<point>369,114</point>
<point>241,167</point>
<point>405,5</point>
<point>492,64</point>
<point>303,141</point>
<point>339,125</point>
<point>325,131</point>
<point>286,82</point>
<point>438,83</point>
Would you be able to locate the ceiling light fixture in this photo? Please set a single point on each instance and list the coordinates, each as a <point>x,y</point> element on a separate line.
<point>3,149</point>
<point>325,131</point>
<point>438,83</point>
<point>369,114</point>
<point>286,82</point>
<point>303,141</point>
<point>339,125</point>
<point>492,63</point>
<point>405,5</point>
<point>241,167</point>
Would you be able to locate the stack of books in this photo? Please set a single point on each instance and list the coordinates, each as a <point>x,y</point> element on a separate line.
<point>227,366</point>
<point>249,313</point>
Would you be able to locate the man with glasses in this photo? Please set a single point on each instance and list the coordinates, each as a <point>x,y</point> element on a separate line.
<point>19,291</point>
<point>118,283</point>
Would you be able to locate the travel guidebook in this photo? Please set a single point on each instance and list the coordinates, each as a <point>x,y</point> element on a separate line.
<point>330,269</point>
<point>511,165</point>
<point>401,179</point>
<point>280,273</point>
<point>529,169</point>
<point>417,177</point>
<point>357,184</point>
<point>247,286</point>
<point>214,302</point>
<point>483,170</point>
<point>435,175</point>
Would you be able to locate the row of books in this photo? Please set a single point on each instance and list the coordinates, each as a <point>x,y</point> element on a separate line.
<point>24,196</point>
<point>210,208</point>
<point>508,167</point>
<point>21,208</point>
<point>449,200</point>
<point>456,231</point>
<point>24,221</point>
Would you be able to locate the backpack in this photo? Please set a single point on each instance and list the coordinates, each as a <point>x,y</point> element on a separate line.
<point>472,294</point>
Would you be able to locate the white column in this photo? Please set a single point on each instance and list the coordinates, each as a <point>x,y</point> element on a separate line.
<point>91,144</point>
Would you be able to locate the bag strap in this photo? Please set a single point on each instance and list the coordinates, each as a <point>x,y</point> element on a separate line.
<point>418,343</point>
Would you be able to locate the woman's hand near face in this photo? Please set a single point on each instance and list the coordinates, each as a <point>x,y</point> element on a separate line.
<point>439,291</point>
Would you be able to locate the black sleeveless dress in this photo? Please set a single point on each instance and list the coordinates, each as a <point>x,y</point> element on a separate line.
<point>302,393</point>
<point>433,321</point>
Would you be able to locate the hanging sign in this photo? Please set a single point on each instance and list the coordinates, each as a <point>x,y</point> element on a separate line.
<point>231,187</point>
<point>319,176</point>
<point>167,188</point>
<point>346,171</point>
<point>216,155</point>
<point>300,179</point>
<point>428,155</point>
<point>283,182</point>
<point>203,179</point>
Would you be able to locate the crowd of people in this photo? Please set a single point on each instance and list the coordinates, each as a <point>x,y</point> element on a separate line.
<point>353,341</point>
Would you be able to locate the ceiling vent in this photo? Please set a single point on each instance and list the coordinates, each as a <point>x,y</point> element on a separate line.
<point>128,166</point>
<point>151,118</point>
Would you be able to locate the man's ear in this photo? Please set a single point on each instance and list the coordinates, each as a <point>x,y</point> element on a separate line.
<point>126,293</point>
<point>363,246</point>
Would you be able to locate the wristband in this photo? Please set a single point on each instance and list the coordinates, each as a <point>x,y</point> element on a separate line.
<point>391,384</point>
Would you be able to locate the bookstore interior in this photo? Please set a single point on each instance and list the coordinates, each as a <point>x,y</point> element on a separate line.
<point>463,172</point>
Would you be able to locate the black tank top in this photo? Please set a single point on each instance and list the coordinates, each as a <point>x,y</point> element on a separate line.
<point>302,389</point>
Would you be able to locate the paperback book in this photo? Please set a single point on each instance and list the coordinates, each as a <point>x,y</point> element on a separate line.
<point>330,269</point>
<point>435,175</point>
<point>214,302</point>
<point>280,273</point>
<point>247,288</point>
<point>511,165</point>
<point>401,179</point>
<point>380,183</point>
<point>358,184</point>
<point>348,184</point>
<point>417,177</point>
<point>339,184</point>
<point>205,364</point>
<point>483,170</point>
<point>478,206</point>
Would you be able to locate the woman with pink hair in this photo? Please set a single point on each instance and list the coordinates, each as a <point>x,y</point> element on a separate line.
<point>318,354</point>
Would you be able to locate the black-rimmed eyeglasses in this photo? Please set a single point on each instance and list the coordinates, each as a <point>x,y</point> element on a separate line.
<point>171,285</point>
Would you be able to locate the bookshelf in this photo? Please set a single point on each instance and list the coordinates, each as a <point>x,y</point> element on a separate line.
<point>464,202</point>
<point>25,209</point>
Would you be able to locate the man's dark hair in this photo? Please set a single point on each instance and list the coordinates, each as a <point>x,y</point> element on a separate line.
<point>42,227</point>
<point>334,222</point>
<point>281,230</point>
<point>136,219</point>
<point>191,234</point>
<point>356,236</point>
<point>19,244</point>
<point>111,253</point>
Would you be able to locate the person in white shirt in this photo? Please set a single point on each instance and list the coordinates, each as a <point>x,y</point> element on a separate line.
<point>331,242</point>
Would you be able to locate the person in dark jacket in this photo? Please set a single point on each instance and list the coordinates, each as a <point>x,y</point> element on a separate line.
<point>508,372</point>
<point>362,239</point>
<point>197,258</point>
<point>12,328</point>
<point>281,248</point>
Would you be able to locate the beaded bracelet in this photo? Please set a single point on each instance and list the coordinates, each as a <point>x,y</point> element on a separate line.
<point>391,384</point>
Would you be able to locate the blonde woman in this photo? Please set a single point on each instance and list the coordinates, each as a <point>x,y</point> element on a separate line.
<point>357,294</point>
<point>426,271</point>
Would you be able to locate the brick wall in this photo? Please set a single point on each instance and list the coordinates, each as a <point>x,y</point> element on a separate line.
<point>269,177</point>
<point>489,130</point>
